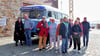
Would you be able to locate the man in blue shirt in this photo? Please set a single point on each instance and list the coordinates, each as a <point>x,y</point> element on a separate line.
<point>28,27</point>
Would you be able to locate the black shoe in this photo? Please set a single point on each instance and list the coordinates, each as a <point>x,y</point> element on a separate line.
<point>44,48</point>
<point>63,52</point>
<point>66,52</point>
<point>40,49</point>
<point>74,48</point>
<point>21,44</point>
<point>70,46</point>
<point>16,44</point>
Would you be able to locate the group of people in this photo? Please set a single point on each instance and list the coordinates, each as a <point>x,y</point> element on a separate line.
<point>51,32</point>
<point>66,30</point>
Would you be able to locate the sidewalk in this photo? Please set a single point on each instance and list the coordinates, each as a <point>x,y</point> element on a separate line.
<point>6,40</point>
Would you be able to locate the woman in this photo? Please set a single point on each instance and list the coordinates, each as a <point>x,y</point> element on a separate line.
<point>76,31</point>
<point>43,26</point>
<point>19,32</point>
<point>52,32</point>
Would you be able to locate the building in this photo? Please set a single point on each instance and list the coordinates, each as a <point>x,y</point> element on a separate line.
<point>9,9</point>
<point>53,3</point>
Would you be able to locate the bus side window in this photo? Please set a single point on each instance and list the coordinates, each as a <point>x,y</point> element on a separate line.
<point>53,14</point>
<point>56,15</point>
<point>49,14</point>
<point>59,15</point>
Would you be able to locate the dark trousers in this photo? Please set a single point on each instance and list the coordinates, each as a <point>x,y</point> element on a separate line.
<point>76,43</point>
<point>70,42</point>
<point>48,39</point>
<point>85,38</point>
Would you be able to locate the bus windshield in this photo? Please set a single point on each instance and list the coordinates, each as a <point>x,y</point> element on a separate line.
<point>34,14</point>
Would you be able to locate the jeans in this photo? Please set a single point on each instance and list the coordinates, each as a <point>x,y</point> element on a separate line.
<point>48,39</point>
<point>85,38</point>
<point>28,37</point>
<point>64,44</point>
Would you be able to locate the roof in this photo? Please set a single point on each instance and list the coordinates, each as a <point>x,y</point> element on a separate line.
<point>42,7</point>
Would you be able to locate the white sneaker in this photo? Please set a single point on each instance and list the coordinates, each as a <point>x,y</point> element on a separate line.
<point>84,47</point>
<point>79,51</point>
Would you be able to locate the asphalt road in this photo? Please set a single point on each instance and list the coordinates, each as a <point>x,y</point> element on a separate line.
<point>7,48</point>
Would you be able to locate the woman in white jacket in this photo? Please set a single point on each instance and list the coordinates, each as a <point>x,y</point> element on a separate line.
<point>52,32</point>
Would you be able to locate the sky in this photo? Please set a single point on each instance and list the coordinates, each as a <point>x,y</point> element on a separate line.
<point>83,8</point>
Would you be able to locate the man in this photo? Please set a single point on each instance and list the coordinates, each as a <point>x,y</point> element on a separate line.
<point>64,31</point>
<point>28,27</point>
<point>44,29</point>
<point>86,27</point>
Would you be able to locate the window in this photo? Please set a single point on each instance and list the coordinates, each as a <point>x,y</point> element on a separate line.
<point>49,14</point>
<point>59,16</point>
<point>36,14</point>
<point>56,15</point>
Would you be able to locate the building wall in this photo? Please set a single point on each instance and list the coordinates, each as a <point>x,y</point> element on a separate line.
<point>53,3</point>
<point>9,8</point>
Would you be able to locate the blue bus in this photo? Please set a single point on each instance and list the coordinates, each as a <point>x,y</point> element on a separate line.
<point>36,12</point>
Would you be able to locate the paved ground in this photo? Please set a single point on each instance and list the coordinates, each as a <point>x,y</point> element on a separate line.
<point>7,48</point>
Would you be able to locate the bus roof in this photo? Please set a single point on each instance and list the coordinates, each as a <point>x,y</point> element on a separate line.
<point>40,7</point>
